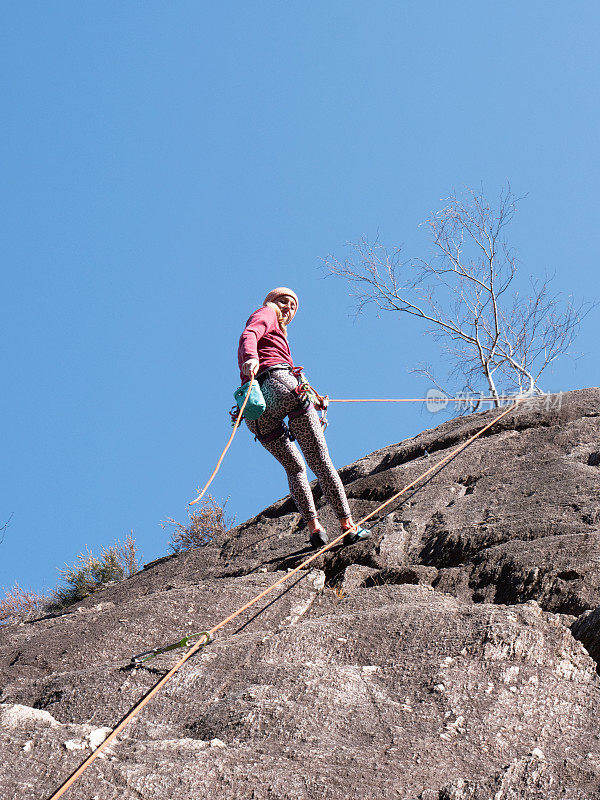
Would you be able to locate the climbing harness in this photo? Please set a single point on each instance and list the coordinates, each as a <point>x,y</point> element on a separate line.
<point>141,658</point>
<point>310,395</point>
<point>281,430</point>
<point>306,395</point>
<point>207,636</point>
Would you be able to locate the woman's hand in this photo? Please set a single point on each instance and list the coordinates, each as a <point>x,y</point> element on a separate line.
<point>250,367</point>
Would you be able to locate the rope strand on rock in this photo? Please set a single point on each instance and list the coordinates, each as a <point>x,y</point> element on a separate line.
<point>209,634</point>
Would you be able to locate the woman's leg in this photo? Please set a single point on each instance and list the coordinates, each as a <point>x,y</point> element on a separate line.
<point>280,400</point>
<point>291,460</point>
<point>309,433</point>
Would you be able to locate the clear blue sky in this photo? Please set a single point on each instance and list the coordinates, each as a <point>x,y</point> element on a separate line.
<point>165,164</point>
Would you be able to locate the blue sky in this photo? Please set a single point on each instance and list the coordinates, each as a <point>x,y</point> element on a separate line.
<point>166,164</point>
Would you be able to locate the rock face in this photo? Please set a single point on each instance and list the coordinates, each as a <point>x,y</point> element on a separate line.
<point>436,661</point>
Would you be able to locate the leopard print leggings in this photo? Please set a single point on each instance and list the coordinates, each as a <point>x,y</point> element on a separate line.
<point>278,391</point>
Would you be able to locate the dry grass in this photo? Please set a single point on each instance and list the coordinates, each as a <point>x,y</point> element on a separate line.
<point>127,555</point>
<point>205,524</point>
<point>90,573</point>
<point>338,591</point>
<point>20,605</point>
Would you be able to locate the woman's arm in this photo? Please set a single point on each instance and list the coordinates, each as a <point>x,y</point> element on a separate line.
<point>256,327</point>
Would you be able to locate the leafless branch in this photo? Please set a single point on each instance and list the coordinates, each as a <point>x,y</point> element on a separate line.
<point>493,337</point>
<point>4,528</point>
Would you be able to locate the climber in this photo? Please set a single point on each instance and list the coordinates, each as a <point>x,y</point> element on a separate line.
<point>264,353</point>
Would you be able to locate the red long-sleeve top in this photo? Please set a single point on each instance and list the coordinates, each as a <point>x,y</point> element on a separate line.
<point>263,339</point>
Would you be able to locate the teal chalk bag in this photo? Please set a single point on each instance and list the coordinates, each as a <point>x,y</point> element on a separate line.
<point>256,402</point>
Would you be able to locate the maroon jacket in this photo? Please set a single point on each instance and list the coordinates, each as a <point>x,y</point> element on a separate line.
<point>263,339</point>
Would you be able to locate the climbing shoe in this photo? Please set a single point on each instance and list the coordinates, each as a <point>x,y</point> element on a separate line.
<point>357,535</point>
<point>318,539</point>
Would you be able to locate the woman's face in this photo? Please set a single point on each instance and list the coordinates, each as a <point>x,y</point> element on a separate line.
<point>287,306</point>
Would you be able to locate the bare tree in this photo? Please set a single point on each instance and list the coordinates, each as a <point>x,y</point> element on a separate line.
<point>491,334</point>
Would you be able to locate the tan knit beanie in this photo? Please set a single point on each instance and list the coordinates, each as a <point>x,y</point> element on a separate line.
<point>275,293</point>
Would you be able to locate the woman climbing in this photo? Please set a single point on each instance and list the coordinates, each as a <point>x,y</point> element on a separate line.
<point>265,354</point>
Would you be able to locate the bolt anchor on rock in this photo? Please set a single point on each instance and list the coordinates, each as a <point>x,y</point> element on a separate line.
<point>185,642</point>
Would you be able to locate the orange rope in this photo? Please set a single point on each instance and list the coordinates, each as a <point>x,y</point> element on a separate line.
<point>226,448</point>
<point>360,522</point>
<point>201,642</point>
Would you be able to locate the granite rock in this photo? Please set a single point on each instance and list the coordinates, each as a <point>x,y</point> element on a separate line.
<point>442,659</point>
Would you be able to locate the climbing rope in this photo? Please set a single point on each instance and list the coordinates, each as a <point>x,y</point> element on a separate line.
<point>207,636</point>
<point>236,425</point>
